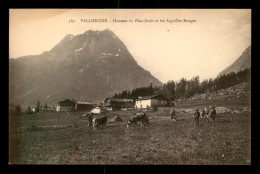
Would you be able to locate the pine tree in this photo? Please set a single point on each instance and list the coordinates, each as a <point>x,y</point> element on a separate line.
<point>38,107</point>
<point>29,111</point>
<point>18,111</point>
<point>45,106</point>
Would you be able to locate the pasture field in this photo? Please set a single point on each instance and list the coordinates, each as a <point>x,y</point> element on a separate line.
<point>63,138</point>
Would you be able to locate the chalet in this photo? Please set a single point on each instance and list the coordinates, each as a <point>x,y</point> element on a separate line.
<point>66,105</point>
<point>150,101</point>
<point>117,104</point>
<point>74,105</point>
<point>83,106</point>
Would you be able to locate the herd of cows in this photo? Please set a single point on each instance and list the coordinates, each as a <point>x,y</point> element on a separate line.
<point>208,113</point>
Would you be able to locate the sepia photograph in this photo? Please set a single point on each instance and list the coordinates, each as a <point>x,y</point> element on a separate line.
<point>129,86</point>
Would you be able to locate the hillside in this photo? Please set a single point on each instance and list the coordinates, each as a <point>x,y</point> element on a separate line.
<point>88,66</point>
<point>243,62</point>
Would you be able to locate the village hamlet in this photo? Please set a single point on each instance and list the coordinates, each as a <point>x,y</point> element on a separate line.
<point>146,92</point>
<point>149,120</point>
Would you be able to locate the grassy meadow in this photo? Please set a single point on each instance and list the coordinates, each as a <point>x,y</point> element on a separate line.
<point>63,138</point>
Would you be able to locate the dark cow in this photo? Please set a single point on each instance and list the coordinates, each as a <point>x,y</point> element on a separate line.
<point>212,114</point>
<point>97,122</point>
<point>196,115</point>
<point>138,117</point>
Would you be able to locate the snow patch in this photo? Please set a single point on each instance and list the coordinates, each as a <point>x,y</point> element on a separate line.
<point>109,54</point>
<point>117,55</point>
<point>119,49</point>
<point>104,54</point>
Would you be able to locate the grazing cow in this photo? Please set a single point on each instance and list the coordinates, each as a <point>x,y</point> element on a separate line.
<point>138,117</point>
<point>97,122</point>
<point>196,115</point>
<point>212,114</point>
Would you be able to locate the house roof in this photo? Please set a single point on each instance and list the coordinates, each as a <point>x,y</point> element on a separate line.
<point>66,102</point>
<point>118,100</point>
<point>155,96</point>
<point>70,102</point>
<point>83,102</point>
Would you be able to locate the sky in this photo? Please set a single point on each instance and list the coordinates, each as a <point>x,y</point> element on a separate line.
<point>169,50</point>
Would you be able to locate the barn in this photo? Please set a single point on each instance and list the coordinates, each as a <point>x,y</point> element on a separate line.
<point>83,106</point>
<point>150,101</point>
<point>66,105</point>
<point>111,103</point>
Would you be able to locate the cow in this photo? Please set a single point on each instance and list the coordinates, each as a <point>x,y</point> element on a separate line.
<point>196,115</point>
<point>101,121</point>
<point>138,117</point>
<point>212,114</point>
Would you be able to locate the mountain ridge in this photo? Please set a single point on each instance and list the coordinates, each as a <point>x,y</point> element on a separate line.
<point>241,63</point>
<point>88,66</point>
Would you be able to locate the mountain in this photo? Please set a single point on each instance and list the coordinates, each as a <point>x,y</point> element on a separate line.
<point>89,66</point>
<point>243,62</point>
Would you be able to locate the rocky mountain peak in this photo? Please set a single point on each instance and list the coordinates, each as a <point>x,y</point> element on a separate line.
<point>89,66</point>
